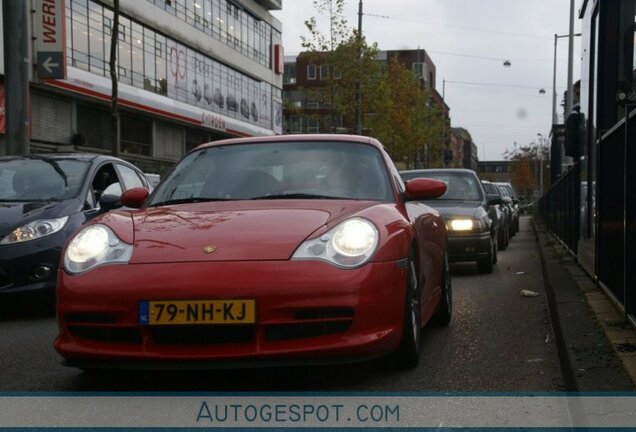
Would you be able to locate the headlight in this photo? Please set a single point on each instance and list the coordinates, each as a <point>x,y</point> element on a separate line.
<point>349,244</point>
<point>464,225</point>
<point>35,230</point>
<point>93,246</point>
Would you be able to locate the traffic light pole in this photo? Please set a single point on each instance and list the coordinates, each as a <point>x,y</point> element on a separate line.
<point>16,76</point>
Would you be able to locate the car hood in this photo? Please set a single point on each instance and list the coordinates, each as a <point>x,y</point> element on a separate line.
<point>233,231</point>
<point>15,214</point>
<point>457,208</point>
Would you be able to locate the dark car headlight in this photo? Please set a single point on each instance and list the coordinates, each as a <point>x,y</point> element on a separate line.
<point>349,244</point>
<point>465,224</point>
<point>93,246</point>
<point>34,230</point>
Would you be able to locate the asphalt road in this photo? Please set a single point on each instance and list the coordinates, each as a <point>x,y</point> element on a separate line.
<point>497,341</point>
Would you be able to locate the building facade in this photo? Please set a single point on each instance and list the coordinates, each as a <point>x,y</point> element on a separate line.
<point>304,75</point>
<point>189,71</point>
<point>464,149</point>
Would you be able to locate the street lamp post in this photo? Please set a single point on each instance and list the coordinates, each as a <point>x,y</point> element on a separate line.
<point>541,141</point>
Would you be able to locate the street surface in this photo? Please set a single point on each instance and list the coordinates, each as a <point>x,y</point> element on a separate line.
<point>497,341</point>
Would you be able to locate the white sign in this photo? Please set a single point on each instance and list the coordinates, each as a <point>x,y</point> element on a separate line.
<point>50,43</point>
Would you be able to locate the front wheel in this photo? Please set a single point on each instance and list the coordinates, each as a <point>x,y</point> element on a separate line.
<point>407,355</point>
<point>485,265</point>
<point>445,312</point>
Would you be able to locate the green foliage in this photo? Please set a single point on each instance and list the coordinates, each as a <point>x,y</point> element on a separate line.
<point>395,108</point>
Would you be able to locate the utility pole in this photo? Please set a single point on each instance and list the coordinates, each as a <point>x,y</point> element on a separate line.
<point>358,113</point>
<point>570,98</point>
<point>16,76</point>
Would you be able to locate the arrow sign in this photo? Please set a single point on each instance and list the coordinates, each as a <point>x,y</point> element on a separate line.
<point>49,65</point>
<point>48,33</point>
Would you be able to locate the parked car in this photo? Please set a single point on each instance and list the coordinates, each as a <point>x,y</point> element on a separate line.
<point>472,234</point>
<point>44,198</point>
<point>508,191</point>
<point>501,212</point>
<point>270,250</point>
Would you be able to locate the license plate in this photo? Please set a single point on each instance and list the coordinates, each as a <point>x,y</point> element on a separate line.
<point>180,312</point>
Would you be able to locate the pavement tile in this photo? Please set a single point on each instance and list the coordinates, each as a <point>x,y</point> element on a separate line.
<point>630,366</point>
<point>602,306</point>
<point>617,335</point>
<point>595,295</point>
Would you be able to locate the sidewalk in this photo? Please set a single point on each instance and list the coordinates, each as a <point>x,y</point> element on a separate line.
<point>597,350</point>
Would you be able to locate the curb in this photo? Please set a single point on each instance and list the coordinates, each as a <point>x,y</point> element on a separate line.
<point>589,360</point>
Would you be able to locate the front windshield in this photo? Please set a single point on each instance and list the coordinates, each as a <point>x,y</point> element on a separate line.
<point>40,179</point>
<point>460,186</point>
<point>285,170</point>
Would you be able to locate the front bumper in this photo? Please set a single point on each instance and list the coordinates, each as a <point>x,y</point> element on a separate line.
<point>468,246</point>
<point>30,266</point>
<point>306,312</point>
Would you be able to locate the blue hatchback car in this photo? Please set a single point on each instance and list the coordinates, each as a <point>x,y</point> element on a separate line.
<point>44,198</point>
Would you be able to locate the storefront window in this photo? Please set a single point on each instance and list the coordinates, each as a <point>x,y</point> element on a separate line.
<point>153,62</point>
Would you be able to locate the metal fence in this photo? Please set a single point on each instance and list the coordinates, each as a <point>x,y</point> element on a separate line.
<point>560,207</point>
<point>616,224</point>
<point>614,211</point>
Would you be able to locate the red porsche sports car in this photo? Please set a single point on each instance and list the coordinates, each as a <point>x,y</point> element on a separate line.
<point>259,251</point>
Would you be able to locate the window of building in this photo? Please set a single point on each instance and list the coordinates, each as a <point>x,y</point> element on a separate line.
<point>324,72</point>
<point>420,70</point>
<point>146,60</point>
<point>136,135</point>
<point>296,124</point>
<point>94,125</point>
<point>311,72</point>
<point>289,74</point>
<point>312,104</point>
<point>313,126</point>
<point>195,138</point>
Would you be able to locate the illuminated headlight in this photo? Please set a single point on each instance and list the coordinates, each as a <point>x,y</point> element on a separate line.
<point>464,225</point>
<point>93,246</point>
<point>35,230</point>
<point>349,244</point>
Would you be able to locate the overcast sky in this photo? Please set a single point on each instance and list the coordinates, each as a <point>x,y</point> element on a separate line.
<point>468,41</point>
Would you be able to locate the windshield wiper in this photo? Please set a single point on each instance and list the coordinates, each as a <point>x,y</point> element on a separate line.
<point>297,196</point>
<point>189,200</point>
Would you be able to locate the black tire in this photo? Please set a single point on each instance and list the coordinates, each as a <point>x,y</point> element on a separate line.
<point>501,238</point>
<point>407,355</point>
<point>444,314</point>
<point>485,265</point>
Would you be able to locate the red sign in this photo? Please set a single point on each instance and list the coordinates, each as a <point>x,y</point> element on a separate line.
<point>279,61</point>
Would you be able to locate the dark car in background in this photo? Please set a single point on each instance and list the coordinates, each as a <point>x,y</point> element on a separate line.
<point>44,198</point>
<point>501,211</point>
<point>472,233</point>
<point>508,191</point>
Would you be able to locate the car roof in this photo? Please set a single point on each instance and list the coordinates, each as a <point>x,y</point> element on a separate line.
<point>88,157</point>
<point>295,138</point>
<point>441,170</point>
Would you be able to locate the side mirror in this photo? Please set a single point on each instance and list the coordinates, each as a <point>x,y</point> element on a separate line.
<point>135,197</point>
<point>109,202</point>
<point>494,200</point>
<point>424,188</point>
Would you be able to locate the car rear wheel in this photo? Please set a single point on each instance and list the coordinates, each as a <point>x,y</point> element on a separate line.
<point>445,312</point>
<point>407,355</point>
